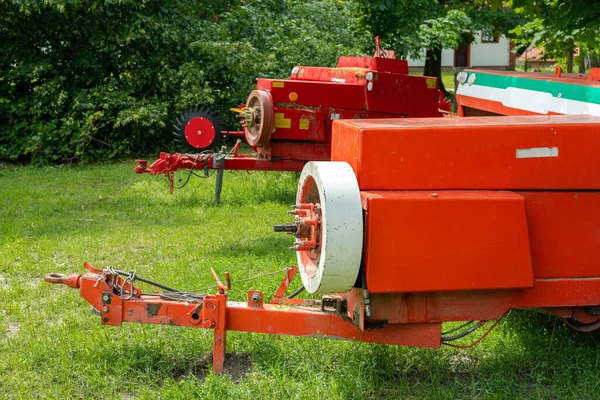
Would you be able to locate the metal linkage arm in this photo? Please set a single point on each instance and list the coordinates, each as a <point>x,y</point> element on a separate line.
<point>248,162</point>
<point>103,291</point>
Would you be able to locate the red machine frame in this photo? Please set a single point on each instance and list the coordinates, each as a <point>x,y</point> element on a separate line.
<point>420,325</point>
<point>444,241</point>
<point>288,122</point>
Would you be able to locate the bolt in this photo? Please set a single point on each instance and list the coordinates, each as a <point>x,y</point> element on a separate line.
<point>105,298</point>
<point>256,297</point>
<point>434,195</point>
<point>105,309</point>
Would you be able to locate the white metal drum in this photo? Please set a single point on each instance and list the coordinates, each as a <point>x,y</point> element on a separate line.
<point>335,264</point>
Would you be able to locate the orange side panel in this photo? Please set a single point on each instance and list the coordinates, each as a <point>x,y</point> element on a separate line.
<point>487,105</point>
<point>449,240</point>
<point>498,153</point>
<point>564,230</point>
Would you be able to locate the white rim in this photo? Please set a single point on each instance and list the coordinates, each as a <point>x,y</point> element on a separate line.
<point>341,226</point>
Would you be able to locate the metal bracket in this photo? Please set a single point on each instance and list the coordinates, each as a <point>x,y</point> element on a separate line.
<point>333,304</point>
<point>219,165</point>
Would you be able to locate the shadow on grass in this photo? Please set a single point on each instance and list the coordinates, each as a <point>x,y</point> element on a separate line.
<point>501,368</point>
<point>259,247</point>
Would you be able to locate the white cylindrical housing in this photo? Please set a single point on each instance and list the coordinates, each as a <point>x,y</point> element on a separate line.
<point>334,265</point>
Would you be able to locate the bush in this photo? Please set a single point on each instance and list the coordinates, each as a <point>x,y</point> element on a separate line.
<point>104,79</point>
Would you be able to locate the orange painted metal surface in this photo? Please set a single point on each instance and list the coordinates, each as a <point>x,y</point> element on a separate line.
<point>399,308</point>
<point>448,240</point>
<point>471,153</point>
<point>457,229</point>
<point>451,240</point>
<point>215,312</point>
<point>564,233</point>
<point>472,107</point>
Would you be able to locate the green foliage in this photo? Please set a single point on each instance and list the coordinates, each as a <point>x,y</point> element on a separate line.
<point>97,79</point>
<point>448,31</point>
<point>560,26</point>
<point>266,38</point>
<point>411,26</point>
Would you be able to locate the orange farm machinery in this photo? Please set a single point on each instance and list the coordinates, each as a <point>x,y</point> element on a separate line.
<point>414,222</point>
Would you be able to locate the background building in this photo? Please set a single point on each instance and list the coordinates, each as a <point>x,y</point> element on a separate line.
<point>487,51</point>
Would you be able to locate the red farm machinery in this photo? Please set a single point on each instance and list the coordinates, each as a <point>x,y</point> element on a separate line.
<point>288,122</point>
<point>404,224</point>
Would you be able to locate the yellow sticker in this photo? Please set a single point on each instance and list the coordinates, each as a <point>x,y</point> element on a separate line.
<point>281,121</point>
<point>430,82</point>
<point>304,123</point>
<point>278,84</point>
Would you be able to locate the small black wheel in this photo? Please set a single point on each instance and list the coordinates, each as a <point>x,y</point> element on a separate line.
<point>198,129</point>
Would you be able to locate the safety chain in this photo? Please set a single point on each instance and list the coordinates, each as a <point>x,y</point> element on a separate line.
<point>114,280</point>
<point>129,279</point>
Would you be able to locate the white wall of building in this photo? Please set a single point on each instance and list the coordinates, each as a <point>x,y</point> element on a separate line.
<point>490,54</point>
<point>481,54</point>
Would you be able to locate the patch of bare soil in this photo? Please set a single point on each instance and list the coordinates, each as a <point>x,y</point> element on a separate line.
<point>12,329</point>
<point>237,365</point>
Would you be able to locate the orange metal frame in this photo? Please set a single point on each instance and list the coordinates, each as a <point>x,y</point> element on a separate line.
<point>437,248</point>
<point>294,317</point>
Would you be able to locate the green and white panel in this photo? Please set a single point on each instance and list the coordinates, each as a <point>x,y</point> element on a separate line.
<point>534,95</point>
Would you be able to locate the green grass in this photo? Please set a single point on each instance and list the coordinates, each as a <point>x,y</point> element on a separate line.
<point>51,346</point>
<point>447,78</point>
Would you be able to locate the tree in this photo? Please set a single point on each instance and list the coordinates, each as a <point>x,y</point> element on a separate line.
<point>86,77</point>
<point>97,79</point>
<point>411,26</point>
<point>561,26</point>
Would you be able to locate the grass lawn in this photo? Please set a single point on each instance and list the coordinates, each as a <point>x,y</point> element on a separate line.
<point>447,78</point>
<point>51,346</point>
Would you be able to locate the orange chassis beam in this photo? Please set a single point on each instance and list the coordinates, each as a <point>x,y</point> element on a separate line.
<point>399,319</point>
<point>283,317</point>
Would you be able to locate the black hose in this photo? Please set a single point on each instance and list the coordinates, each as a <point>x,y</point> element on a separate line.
<point>462,334</point>
<point>148,281</point>
<point>296,293</point>
<point>457,328</point>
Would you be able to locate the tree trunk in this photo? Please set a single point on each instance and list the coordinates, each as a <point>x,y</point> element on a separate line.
<point>433,67</point>
<point>570,57</point>
<point>581,61</point>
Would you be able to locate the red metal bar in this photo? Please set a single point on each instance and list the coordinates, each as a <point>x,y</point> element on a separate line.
<point>409,319</point>
<point>168,163</point>
<point>285,283</point>
<point>271,319</point>
<point>484,304</point>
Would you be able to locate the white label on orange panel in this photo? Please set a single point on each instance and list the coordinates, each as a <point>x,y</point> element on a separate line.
<point>538,152</point>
